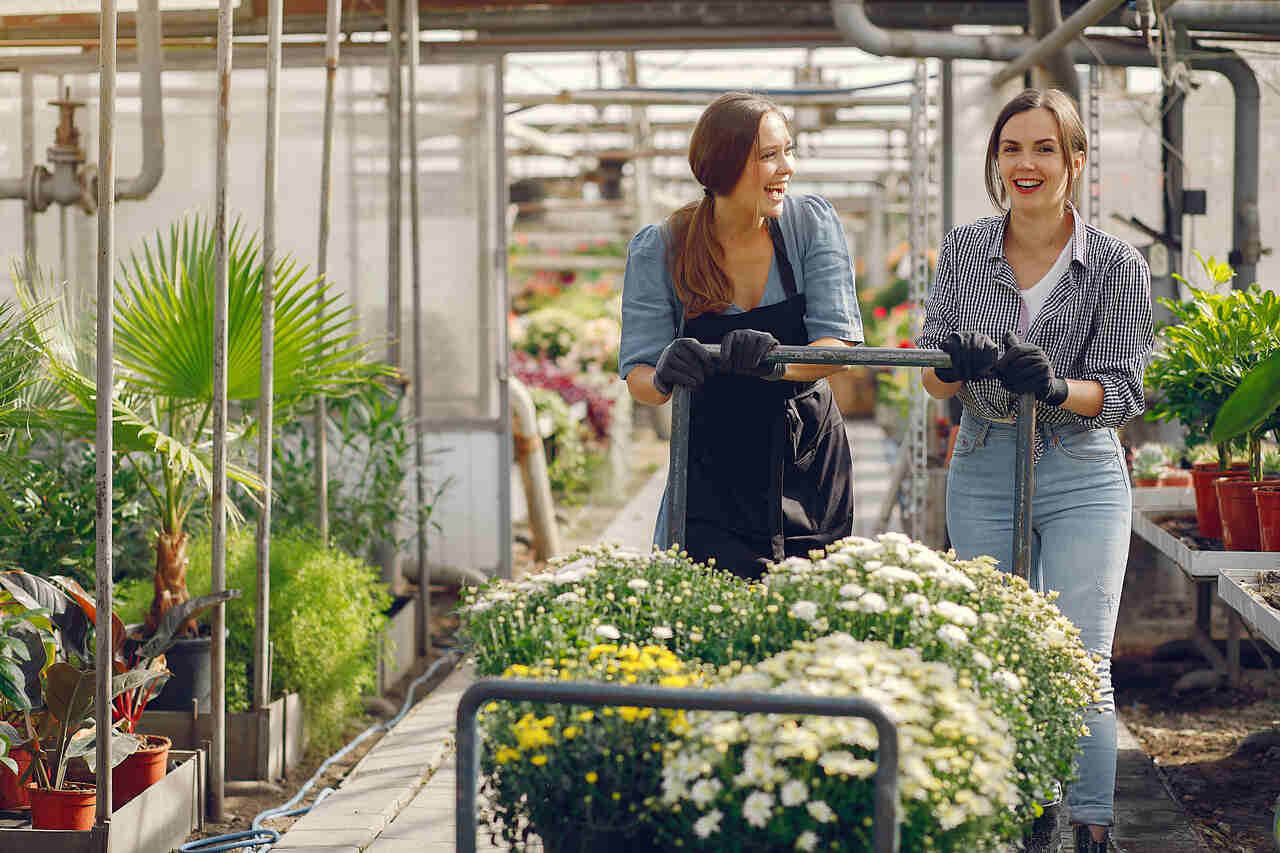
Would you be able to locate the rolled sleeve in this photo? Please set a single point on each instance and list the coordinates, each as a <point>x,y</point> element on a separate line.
<point>831,302</point>
<point>1117,352</point>
<point>649,315</point>
<point>940,317</point>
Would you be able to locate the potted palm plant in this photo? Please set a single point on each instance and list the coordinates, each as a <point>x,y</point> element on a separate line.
<point>163,316</point>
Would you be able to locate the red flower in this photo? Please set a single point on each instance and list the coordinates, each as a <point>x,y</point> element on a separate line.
<point>904,344</point>
<point>879,312</point>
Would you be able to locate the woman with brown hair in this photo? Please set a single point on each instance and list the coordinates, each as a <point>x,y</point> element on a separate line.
<point>748,267</point>
<point>1071,306</point>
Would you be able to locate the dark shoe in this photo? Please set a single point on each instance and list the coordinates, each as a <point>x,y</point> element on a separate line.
<point>1086,844</point>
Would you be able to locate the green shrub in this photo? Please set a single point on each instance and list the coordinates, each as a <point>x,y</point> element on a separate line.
<point>326,611</point>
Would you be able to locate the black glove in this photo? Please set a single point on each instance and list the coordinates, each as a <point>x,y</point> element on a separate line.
<point>684,362</point>
<point>1025,368</point>
<point>741,351</point>
<point>973,354</point>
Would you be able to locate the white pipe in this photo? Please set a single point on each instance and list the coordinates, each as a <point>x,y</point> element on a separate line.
<point>151,60</point>
<point>218,510</point>
<point>105,376</point>
<point>262,630</point>
<point>1084,17</point>
<point>532,460</point>
<point>419,369</point>
<point>333,16</point>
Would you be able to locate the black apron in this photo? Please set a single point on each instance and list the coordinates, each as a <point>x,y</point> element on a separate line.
<point>770,472</point>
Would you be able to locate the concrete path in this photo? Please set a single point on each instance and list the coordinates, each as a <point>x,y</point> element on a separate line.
<point>400,797</point>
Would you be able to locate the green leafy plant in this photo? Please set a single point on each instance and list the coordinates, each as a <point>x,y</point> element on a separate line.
<point>1150,460</point>
<point>1251,410</point>
<point>325,650</point>
<point>1200,360</point>
<point>164,350</point>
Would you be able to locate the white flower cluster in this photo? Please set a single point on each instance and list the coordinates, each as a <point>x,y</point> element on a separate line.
<point>955,755</point>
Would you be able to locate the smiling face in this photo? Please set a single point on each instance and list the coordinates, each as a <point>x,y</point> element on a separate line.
<point>1032,165</point>
<point>763,182</point>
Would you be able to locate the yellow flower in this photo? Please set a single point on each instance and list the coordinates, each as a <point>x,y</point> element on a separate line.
<point>506,754</point>
<point>617,796</point>
<point>674,681</point>
<point>591,777</point>
<point>571,732</point>
<point>628,713</point>
<point>519,670</point>
<point>492,706</point>
<point>587,716</point>
<point>538,760</point>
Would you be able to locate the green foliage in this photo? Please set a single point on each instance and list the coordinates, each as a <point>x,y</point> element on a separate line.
<point>1200,360</point>
<point>48,516</point>
<point>1149,460</point>
<point>569,465</point>
<point>326,611</point>
<point>370,459</point>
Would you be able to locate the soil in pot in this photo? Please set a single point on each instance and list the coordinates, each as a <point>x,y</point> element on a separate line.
<point>12,795</point>
<point>71,807</point>
<point>1207,517</point>
<point>141,770</point>
<point>1267,499</point>
<point>1239,511</point>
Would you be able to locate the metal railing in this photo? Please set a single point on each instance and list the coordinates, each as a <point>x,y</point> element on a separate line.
<point>884,828</point>
<point>885,825</point>
<point>1024,472</point>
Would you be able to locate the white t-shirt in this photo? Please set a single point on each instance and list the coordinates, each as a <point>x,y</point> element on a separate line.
<point>1035,296</point>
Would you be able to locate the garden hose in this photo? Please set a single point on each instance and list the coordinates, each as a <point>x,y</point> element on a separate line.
<point>259,838</point>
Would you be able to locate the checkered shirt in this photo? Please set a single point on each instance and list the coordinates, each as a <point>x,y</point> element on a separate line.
<point>1095,324</point>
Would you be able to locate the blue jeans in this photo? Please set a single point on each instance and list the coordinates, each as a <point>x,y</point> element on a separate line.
<point>1080,520</point>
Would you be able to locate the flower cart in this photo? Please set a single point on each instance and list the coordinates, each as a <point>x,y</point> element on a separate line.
<point>985,681</point>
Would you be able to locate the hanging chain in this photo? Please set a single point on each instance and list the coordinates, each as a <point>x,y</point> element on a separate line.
<point>1095,136</point>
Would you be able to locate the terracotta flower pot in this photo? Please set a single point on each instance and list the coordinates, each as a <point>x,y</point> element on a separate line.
<point>141,770</point>
<point>1146,482</point>
<point>1208,520</point>
<point>71,807</point>
<point>1239,511</point>
<point>1268,501</point>
<point>13,795</point>
<point>1175,478</point>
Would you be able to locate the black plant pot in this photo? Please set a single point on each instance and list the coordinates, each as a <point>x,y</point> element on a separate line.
<point>188,661</point>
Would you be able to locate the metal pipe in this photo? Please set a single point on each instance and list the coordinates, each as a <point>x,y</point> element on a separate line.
<point>1246,234</point>
<point>1225,15</point>
<point>644,97</point>
<point>498,311</point>
<point>419,365</point>
<point>151,60</point>
<point>884,824</point>
<point>29,254</point>
<point>262,629</point>
<point>947,96</point>
<point>1245,231</point>
<point>394,106</point>
<point>532,459</point>
<point>1048,51</point>
<point>218,510</point>
<point>105,393</point>
<point>333,19</point>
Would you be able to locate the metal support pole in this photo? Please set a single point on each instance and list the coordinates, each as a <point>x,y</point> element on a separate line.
<point>28,166</point>
<point>948,176</point>
<point>266,389</point>
<point>1024,486</point>
<point>419,365</point>
<point>394,106</point>
<point>105,389</point>
<point>498,310</point>
<point>333,15</point>
<point>1084,17</point>
<point>884,825</point>
<point>218,513</point>
<point>916,436</point>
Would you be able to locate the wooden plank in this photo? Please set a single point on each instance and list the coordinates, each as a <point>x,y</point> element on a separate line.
<point>161,817</point>
<point>1233,589</point>
<point>258,743</point>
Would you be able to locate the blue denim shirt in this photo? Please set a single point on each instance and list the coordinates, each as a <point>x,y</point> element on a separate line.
<point>819,255</point>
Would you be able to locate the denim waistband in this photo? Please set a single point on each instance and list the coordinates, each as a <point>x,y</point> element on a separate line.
<point>1047,431</point>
